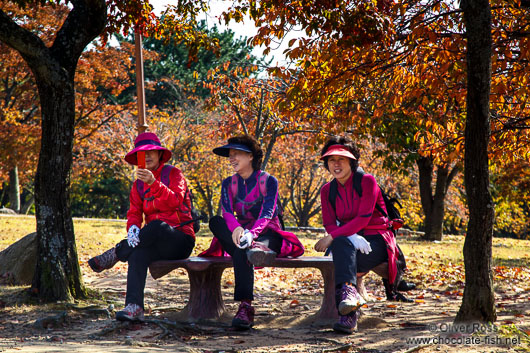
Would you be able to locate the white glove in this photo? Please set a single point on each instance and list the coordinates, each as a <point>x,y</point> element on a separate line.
<point>360,243</point>
<point>132,236</point>
<point>246,240</point>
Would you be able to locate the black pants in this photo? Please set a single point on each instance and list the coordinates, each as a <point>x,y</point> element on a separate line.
<point>243,270</point>
<point>158,241</point>
<point>348,261</point>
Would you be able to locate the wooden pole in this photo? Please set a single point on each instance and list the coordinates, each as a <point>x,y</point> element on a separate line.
<point>140,92</point>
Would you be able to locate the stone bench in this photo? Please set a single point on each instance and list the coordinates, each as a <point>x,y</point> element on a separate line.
<point>205,300</point>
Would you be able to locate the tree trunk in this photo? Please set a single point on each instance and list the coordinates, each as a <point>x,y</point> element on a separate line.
<point>57,274</point>
<point>28,203</point>
<point>14,190</point>
<point>434,206</point>
<point>3,194</point>
<point>478,303</point>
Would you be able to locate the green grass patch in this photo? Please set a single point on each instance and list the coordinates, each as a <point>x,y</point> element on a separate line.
<point>438,264</point>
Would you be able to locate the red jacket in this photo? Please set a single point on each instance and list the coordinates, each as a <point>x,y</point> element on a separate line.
<point>358,214</point>
<point>169,204</point>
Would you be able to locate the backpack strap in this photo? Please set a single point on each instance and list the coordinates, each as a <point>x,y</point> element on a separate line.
<point>234,186</point>
<point>262,184</point>
<point>164,174</point>
<point>379,208</point>
<point>262,181</point>
<point>164,178</point>
<point>140,189</point>
<point>357,179</point>
<point>333,192</point>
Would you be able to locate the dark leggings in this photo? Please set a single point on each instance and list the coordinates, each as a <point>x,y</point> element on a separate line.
<point>243,270</point>
<point>348,261</point>
<point>158,241</point>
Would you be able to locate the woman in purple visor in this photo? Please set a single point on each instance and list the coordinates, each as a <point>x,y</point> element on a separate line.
<point>249,230</point>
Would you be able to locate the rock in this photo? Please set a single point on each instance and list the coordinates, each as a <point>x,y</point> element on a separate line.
<point>19,260</point>
<point>4,210</point>
<point>51,321</point>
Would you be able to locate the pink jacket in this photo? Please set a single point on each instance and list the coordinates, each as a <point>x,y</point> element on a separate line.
<point>359,215</point>
<point>252,211</point>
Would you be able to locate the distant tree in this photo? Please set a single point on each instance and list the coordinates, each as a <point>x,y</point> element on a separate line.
<point>176,75</point>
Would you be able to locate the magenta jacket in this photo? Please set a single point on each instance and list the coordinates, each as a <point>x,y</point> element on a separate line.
<point>359,215</point>
<point>250,210</point>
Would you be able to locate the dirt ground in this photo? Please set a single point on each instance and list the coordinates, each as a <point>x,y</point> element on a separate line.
<point>283,320</point>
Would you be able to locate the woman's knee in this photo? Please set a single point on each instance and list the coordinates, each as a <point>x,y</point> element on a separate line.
<point>340,242</point>
<point>152,226</point>
<point>215,223</point>
<point>239,256</point>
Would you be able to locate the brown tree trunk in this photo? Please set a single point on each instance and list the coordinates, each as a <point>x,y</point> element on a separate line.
<point>30,200</point>
<point>478,303</point>
<point>5,186</point>
<point>57,275</point>
<point>14,190</point>
<point>434,205</point>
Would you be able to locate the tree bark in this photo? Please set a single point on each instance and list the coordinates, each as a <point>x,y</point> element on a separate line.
<point>57,274</point>
<point>434,205</point>
<point>478,302</point>
<point>5,186</point>
<point>14,190</point>
<point>29,201</point>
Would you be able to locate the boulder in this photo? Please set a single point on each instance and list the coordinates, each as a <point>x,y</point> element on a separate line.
<point>18,261</point>
<point>4,210</point>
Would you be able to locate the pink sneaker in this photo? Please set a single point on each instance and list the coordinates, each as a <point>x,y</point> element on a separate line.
<point>244,318</point>
<point>131,312</point>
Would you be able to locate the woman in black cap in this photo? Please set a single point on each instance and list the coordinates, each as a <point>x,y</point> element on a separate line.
<point>250,229</point>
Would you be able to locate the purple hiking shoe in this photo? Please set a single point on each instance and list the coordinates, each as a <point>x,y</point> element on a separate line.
<point>350,299</point>
<point>347,323</point>
<point>244,318</point>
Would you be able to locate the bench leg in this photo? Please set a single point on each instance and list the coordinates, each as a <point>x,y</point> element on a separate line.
<point>328,310</point>
<point>205,301</point>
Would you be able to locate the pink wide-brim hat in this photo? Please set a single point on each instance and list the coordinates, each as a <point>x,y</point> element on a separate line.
<point>338,150</point>
<point>147,141</point>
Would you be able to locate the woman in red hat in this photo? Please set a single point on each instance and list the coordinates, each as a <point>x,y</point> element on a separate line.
<point>160,195</point>
<point>358,234</point>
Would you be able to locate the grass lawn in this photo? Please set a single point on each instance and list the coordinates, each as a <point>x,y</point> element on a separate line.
<point>95,236</point>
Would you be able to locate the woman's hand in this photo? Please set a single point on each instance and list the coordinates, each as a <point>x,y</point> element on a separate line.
<point>236,235</point>
<point>360,243</point>
<point>146,176</point>
<point>324,243</point>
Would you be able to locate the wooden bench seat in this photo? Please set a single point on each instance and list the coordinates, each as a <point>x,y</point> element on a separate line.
<point>205,299</point>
